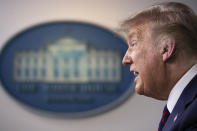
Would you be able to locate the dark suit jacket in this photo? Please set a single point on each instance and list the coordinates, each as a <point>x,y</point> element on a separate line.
<point>184,114</point>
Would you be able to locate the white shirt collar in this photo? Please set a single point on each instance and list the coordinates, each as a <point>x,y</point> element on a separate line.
<point>179,87</point>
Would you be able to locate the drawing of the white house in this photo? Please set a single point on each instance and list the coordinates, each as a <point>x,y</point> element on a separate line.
<point>67,60</point>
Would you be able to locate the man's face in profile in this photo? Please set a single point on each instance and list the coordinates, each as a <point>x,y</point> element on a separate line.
<point>145,61</point>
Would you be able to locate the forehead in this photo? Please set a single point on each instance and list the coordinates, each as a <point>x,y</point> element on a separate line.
<point>136,31</point>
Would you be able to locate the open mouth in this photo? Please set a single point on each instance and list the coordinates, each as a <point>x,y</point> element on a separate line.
<point>135,73</point>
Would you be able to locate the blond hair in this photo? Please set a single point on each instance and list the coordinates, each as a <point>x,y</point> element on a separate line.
<point>171,18</point>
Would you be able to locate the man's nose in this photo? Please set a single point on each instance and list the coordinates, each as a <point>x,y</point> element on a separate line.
<point>126,60</point>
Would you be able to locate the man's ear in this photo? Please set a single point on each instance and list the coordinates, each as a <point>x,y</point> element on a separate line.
<point>168,48</point>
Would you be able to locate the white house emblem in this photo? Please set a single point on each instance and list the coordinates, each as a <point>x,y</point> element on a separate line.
<point>69,67</point>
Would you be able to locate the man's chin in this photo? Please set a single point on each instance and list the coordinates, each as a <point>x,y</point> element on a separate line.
<point>139,90</point>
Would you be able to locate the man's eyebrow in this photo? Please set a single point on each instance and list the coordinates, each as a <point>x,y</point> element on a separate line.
<point>131,35</point>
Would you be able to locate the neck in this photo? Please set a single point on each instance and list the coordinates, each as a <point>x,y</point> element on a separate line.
<point>175,71</point>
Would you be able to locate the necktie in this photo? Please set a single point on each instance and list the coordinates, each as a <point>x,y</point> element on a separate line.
<point>164,118</point>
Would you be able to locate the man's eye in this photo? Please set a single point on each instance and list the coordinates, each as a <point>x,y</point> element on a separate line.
<point>133,44</point>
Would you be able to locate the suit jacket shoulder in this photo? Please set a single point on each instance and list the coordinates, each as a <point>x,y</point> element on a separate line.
<point>188,120</point>
<point>184,114</point>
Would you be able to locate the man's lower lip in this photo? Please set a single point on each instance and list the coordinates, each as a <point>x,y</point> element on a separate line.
<point>136,79</point>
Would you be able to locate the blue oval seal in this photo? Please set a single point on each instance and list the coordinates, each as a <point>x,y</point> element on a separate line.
<point>69,67</point>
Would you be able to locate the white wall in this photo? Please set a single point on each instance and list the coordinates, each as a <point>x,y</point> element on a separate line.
<point>139,113</point>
